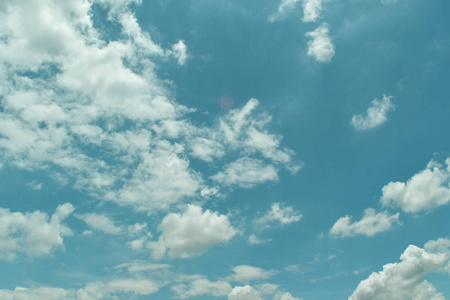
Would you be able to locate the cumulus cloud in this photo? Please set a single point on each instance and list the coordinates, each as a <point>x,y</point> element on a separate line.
<point>376,114</point>
<point>32,233</point>
<point>311,10</point>
<point>244,293</point>
<point>425,191</point>
<point>370,224</point>
<point>245,274</point>
<point>285,296</point>
<point>284,8</point>
<point>281,214</point>
<point>105,96</point>
<point>201,287</point>
<point>320,46</point>
<point>403,280</point>
<point>191,233</point>
<point>100,222</point>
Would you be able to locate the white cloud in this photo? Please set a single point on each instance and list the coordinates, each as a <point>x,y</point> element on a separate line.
<point>284,8</point>
<point>403,280</point>
<point>284,215</point>
<point>285,296</point>
<point>201,287</point>
<point>191,233</point>
<point>41,293</point>
<point>142,266</point>
<point>254,240</point>
<point>320,47</point>
<point>179,50</point>
<point>32,233</point>
<point>246,172</point>
<point>425,191</point>
<point>100,222</point>
<point>311,10</point>
<point>370,224</point>
<point>244,293</point>
<point>376,114</point>
<point>245,274</point>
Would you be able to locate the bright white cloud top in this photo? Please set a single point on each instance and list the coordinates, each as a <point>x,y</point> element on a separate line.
<point>202,150</point>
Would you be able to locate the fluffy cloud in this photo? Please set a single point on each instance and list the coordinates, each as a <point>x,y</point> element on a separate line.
<point>100,222</point>
<point>246,172</point>
<point>285,7</point>
<point>200,287</point>
<point>245,273</point>
<point>403,280</point>
<point>320,46</point>
<point>106,97</point>
<point>284,215</point>
<point>191,233</point>
<point>311,10</point>
<point>426,190</point>
<point>285,296</point>
<point>370,224</point>
<point>376,114</point>
<point>32,233</point>
<point>244,293</point>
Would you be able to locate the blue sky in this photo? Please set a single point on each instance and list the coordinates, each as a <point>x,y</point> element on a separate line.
<point>240,150</point>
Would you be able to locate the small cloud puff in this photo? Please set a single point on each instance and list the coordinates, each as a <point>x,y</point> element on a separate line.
<point>376,114</point>
<point>279,213</point>
<point>370,224</point>
<point>320,46</point>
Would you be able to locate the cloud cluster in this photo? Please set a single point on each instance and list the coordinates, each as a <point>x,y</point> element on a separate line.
<point>370,224</point>
<point>376,114</point>
<point>191,233</point>
<point>94,114</point>
<point>32,233</point>
<point>425,191</point>
<point>404,280</point>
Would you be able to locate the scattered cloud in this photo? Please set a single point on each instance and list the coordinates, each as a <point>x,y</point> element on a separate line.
<point>320,46</point>
<point>281,214</point>
<point>201,287</point>
<point>285,296</point>
<point>33,233</point>
<point>254,240</point>
<point>370,224</point>
<point>245,274</point>
<point>425,191</point>
<point>376,114</point>
<point>284,8</point>
<point>191,233</point>
<point>311,10</point>
<point>403,280</point>
<point>100,222</point>
<point>179,50</point>
<point>244,293</point>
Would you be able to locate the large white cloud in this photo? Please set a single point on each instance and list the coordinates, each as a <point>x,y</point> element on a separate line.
<point>320,46</point>
<point>311,10</point>
<point>32,233</point>
<point>425,191</point>
<point>244,293</point>
<point>404,280</point>
<point>106,97</point>
<point>376,114</point>
<point>370,224</point>
<point>191,233</point>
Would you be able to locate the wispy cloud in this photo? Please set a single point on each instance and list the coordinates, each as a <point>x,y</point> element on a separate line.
<point>376,114</point>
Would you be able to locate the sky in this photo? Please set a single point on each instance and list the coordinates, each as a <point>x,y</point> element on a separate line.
<point>240,150</point>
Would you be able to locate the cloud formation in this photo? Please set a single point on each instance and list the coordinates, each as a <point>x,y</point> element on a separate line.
<point>370,224</point>
<point>404,280</point>
<point>311,10</point>
<point>284,8</point>
<point>320,46</point>
<point>425,191</point>
<point>100,222</point>
<point>191,233</point>
<point>279,213</point>
<point>33,233</point>
<point>376,114</point>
